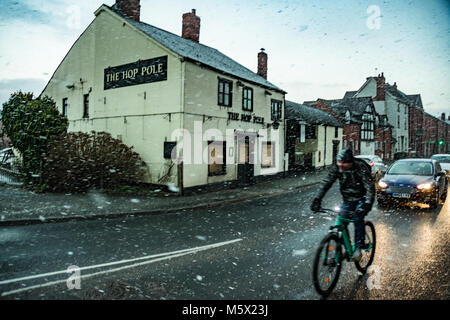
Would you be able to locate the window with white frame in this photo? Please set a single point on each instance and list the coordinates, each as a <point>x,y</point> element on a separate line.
<point>276,110</point>
<point>225,93</point>
<point>247,99</point>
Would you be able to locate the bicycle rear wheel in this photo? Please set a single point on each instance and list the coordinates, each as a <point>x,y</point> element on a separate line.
<point>369,252</point>
<point>327,265</point>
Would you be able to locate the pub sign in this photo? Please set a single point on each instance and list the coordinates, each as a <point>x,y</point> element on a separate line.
<point>140,72</point>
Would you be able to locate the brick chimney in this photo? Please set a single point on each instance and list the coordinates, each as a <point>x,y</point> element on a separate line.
<point>191,26</point>
<point>381,88</point>
<point>262,64</point>
<point>130,8</point>
<point>443,117</point>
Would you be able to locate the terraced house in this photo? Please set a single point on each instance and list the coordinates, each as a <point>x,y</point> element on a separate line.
<point>194,115</point>
<point>364,130</point>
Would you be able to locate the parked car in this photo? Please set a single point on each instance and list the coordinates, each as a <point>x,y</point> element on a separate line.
<point>378,166</point>
<point>6,157</point>
<point>421,180</point>
<point>444,161</point>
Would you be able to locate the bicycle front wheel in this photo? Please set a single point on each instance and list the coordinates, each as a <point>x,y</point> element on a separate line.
<point>327,265</point>
<point>368,253</point>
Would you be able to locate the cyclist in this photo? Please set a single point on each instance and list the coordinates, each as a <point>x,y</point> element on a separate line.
<point>358,193</point>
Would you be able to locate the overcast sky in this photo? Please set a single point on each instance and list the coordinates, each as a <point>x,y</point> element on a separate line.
<point>316,48</point>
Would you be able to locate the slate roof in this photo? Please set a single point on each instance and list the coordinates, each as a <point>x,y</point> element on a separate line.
<point>350,94</point>
<point>416,100</point>
<point>398,94</point>
<point>356,106</point>
<point>296,111</point>
<point>198,52</point>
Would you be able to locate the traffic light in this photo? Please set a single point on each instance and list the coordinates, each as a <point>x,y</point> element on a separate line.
<point>441,142</point>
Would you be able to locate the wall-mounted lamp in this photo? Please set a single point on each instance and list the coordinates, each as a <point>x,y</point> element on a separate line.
<point>239,83</point>
<point>206,118</point>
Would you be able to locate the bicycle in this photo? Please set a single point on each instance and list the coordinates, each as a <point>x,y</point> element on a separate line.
<point>336,247</point>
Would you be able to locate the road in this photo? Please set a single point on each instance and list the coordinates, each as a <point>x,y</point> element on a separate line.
<point>255,250</point>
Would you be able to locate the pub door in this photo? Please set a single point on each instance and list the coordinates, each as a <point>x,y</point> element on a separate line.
<point>246,168</point>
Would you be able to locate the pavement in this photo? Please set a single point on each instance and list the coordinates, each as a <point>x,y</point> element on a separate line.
<point>19,206</point>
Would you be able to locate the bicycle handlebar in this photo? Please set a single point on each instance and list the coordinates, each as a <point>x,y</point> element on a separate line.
<point>326,210</point>
<point>335,213</point>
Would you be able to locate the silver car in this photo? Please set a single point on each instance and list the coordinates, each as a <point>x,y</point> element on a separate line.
<point>444,160</point>
<point>379,168</point>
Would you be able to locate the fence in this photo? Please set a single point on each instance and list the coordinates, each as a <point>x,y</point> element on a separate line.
<point>10,176</point>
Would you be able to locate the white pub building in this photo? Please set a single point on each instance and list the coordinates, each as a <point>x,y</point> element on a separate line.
<point>194,115</point>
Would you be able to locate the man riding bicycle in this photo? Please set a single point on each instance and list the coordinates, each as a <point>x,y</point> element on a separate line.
<point>358,193</point>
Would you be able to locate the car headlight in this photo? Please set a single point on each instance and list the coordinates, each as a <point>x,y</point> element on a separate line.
<point>424,186</point>
<point>382,184</point>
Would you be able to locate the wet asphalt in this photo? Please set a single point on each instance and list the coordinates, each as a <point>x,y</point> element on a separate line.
<point>254,250</point>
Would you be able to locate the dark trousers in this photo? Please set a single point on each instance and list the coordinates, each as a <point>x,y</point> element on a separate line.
<point>349,208</point>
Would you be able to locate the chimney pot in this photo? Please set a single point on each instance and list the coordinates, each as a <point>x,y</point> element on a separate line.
<point>443,117</point>
<point>130,8</point>
<point>191,26</point>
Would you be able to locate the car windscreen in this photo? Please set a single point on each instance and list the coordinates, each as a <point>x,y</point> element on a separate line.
<point>416,168</point>
<point>441,159</point>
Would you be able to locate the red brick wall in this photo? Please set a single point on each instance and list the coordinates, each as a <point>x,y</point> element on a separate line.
<point>383,136</point>
<point>262,64</point>
<point>441,135</point>
<point>381,88</point>
<point>416,122</point>
<point>430,138</point>
<point>352,132</point>
<point>322,106</point>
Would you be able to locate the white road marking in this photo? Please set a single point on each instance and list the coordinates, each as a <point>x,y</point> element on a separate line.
<point>159,257</point>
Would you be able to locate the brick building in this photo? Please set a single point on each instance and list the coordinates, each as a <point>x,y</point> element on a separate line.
<point>415,133</point>
<point>365,131</point>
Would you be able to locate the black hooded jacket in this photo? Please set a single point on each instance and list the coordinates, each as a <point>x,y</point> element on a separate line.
<point>356,184</point>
